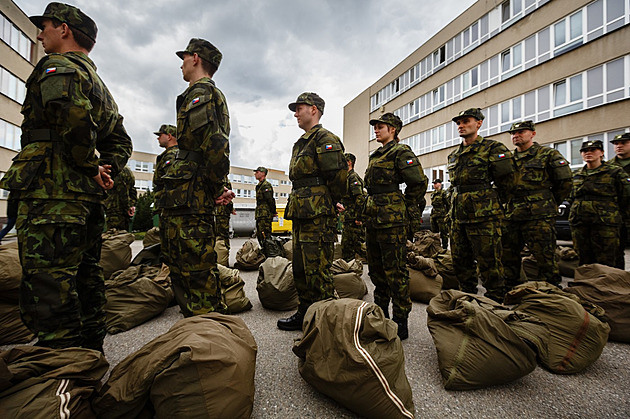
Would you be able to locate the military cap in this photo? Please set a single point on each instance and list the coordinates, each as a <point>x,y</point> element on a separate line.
<point>166,129</point>
<point>621,137</point>
<point>389,119</point>
<point>474,112</point>
<point>592,144</point>
<point>70,15</point>
<point>438,180</point>
<point>517,126</point>
<point>203,49</point>
<point>261,169</point>
<point>308,98</point>
<point>350,157</point>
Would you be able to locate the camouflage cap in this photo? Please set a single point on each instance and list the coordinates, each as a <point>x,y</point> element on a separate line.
<point>592,144</point>
<point>517,126</point>
<point>308,98</point>
<point>621,137</point>
<point>350,157</point>
<point>474,112</point>
<point>203,49</point>
<point>389,119</point>
<point>70,15</point>
<point>166,129</point>
<point>438,180</point>
<point>261,169</point>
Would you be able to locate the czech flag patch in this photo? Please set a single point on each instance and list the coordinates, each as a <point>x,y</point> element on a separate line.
<point>562,162</point>
<point>409,161</point>
<point>501,155</point>
<point>51,70</point>
<point>195,101</point>
<point>329,146</point>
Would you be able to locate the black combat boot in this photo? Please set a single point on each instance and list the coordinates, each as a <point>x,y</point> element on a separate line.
<point>403,330</point>
<point>291,323</point>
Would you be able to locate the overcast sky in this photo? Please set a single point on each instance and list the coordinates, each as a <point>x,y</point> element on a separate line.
<point>273,50</point>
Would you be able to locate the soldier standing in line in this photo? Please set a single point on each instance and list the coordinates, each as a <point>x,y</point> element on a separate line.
<point>265,207</point>
<point>59,180</point>
<point>166,139</point>
<point>318,171</point>
<point>439,212</point>
<point>388,215</point>
<point>352,207</point>
<point>600,203</point>
<point>195,182</point>
<point>621,143</point>
<point>222,214</point>
<point>120,204</point>
<point>543,181</point>
<point>481,172</point>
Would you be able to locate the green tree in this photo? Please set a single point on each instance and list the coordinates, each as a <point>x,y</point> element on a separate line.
<point>143,220</point>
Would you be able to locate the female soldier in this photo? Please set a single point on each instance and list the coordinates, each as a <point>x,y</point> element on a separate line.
<point>600,201</point>
<point>389,217</point>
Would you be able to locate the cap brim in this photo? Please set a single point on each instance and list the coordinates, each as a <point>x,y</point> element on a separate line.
<point>375,121</point>
<point>158,133</point>
<point>590,148</point>
<point>37,20</point>
<point>293,106</point>
<point>180,54</point>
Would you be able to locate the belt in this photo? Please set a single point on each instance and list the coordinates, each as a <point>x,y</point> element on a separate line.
<point>189,155</point>
<point>311,181</point>
<point>524,193</point>
<point>472,188</point>
<point>376,189</point>
<point>596,198</point>
<point>41,135</point>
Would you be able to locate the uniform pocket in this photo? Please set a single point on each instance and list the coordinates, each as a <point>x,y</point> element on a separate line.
<point>26,166</point>
<point>178,184</point>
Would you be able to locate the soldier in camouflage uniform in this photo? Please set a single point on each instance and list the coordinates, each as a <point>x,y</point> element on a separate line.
<point>222,214</point>
<point>389,216</point>
<point>120,204</point>
<point>69,117</point>
<point>167,140</point>
<point>352,207</point>
<point>543,181</point>
<point>318,171</point>
<point>441,204</point>
<point>265,207</point>
<point>600,203</point>
<point>621,143</point>
<point>194,183</point>
<point>481,172</point>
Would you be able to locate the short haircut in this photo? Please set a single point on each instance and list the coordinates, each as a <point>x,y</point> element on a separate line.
<point>208,67</point>
<point>80,38</point>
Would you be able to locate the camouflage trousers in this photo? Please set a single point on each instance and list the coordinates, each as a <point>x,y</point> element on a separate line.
<point>117,220</point>
<point>477,246</point>
<point>351,238</point>
<point>387,260</point>
<point>188,250</point>
<point>222,229</point>
<point>439,225</point>
<point>263,230</point>
<point>540,238</point>
<point>62,293</point>
<point>596,243</point>
<point>313,242</point>
<point>623,242</point>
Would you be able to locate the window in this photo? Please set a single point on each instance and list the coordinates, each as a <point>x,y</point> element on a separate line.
<point>143,185</point>
<point>10,135</point>
<point>505,11</point>
<point>141,166</point>
<point>11,86</point>
<point>15,38</point>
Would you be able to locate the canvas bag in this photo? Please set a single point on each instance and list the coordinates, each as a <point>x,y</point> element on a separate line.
<point>424,284</point>
<point>475,345</point>
<point>347,278</point>
<point>151,237</point>
<point>223,253</point>
<point>444,265</point>
<point>148,256</point>
<point>232,290</point>
<point>366,370</point>
<point>115,251</point>
<point>425,243</point>
<point>275,286</point>
<point>12,329</point>
<point>288,249</point>
<point>249,257</point>
<point>203,367</point>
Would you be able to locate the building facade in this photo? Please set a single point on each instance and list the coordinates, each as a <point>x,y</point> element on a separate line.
<point>563,64</point>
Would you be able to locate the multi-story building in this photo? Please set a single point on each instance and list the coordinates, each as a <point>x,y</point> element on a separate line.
<point>244,185</point>
<point>563,64</point>
<point>19,52</point>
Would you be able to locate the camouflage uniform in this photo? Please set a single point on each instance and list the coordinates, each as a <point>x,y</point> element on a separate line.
<point>625,228</point>
<point>162,163</point>
<point>439,212</point>
<point>191,184</point>
<point>265,210</point>
<point>388,216</point>
<point>222,214</point>
<point>600,203</point>
<point>476,212</point>
<point>353,235</point>
<point>69,116</point>
<point>120,199</point>
<point>543,181</point>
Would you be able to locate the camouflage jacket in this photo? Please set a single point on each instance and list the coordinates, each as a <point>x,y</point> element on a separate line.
<point>161,164</point>
<point>354,199</point>
<point>542,182</point>
<point>196,176</point>
<point>71,126</point>
<point>440,203</point>
<point>624,164</point>
<point>123,195</point>
<point>480,175</point>
<point>386,206</point>
<point>600,196</point>
<point>265,202</point>
<point>318,171</point>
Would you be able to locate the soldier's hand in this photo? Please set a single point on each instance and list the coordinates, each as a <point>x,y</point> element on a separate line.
<point>132,211</point>
<point>340,207</point>
<point>225,198</point>
<point>103,178</point>
<point>359,223</point>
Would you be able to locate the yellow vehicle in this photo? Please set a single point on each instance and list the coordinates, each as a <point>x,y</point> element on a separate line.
<point>279,225</point>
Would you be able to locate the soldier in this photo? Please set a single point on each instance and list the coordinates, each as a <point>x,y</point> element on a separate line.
<point>481,171</point>
<point>222,215</point>
<point>318,171</point>
<point>195,182</point>
<point>389,215</point>
<point>265,207</point>
<point>167,140</point>
<point>120,204</point>
<point>622,159</point>
<point>439,212</point>
<point>352,207</point>
<point>59,180</point>
<point>600,203</point>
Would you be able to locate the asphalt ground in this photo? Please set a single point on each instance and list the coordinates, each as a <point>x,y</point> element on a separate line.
<point>600,391</point>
